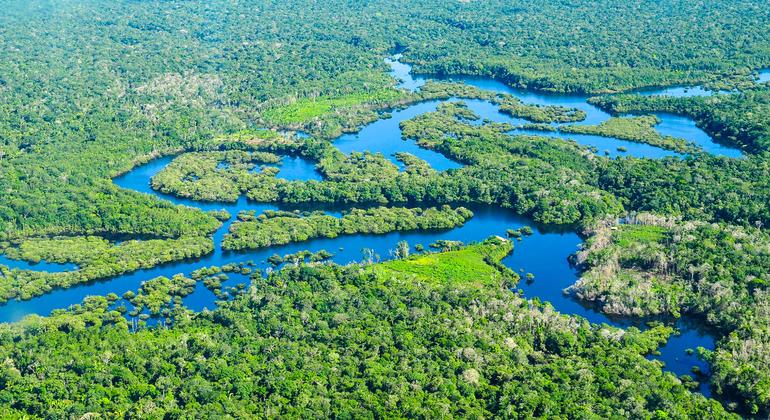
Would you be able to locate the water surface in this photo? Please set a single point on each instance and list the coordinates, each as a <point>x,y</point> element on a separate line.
<point>37,266</point>
<point>670,125</point>
<point>384,136</point>
<point>764,76</point>
<point>297,168</point>
<point>544,254</point>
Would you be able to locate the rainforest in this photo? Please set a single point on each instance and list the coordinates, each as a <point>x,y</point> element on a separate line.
<point>384,209</point>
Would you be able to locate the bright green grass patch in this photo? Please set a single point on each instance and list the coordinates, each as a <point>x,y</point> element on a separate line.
<point>475,265</point>
<point>305,110</point>
<point>630,234</point>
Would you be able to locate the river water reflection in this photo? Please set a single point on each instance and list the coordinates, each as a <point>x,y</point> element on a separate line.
<point>544,254</point>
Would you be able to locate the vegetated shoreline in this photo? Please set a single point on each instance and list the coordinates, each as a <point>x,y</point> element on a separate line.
<point>422,202</point>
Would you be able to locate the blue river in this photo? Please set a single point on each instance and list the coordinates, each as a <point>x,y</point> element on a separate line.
<point>544,254</point>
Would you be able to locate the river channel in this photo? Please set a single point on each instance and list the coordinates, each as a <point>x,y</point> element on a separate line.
<point>545,253</point>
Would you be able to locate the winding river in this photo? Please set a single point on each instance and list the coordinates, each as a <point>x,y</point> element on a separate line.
<point>544,254</point>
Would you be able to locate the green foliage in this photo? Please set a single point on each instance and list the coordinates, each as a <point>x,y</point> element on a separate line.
<point>717,272</point>
<point>150,84</point>
<point>330,117</point>
<point>157,295</point>
<point>599,46</point>
<point>637,129</point>
<point>629,234</point>
<point>279,228</point>
<point>330,341</point>
<point>740,120</point>
<point>214,176</point>
<point>475,265</point>
<point>703,188</point>
<point>96,258</point>
<point>91,89</point>
<point>538,114</point>
<point>302,111</point>
<point>550,181</point>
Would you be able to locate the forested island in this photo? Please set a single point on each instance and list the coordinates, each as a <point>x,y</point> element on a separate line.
<point>384,209</point>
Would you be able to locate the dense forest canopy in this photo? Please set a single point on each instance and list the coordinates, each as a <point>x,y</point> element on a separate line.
<point>326,341</point>
<point>90,90</point>
<point>89,87</point>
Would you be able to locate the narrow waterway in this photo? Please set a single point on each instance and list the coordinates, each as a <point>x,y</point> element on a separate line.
<point>670,125</point>
<point>691,91</point>
<point>544,254</point>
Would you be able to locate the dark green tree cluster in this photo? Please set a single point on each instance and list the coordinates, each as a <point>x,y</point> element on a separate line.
<point>538,114</point>
<point>330,341</point>
<point>698,188</point>
<point>280,228</point>
<point>82,105</point>
<point>636,129</point>
<point>214,176</point>
<point>718,272</point>
<point>740,119</point>
<point>158,296</point>
<point>593,46</point>
<point>96,258</point>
